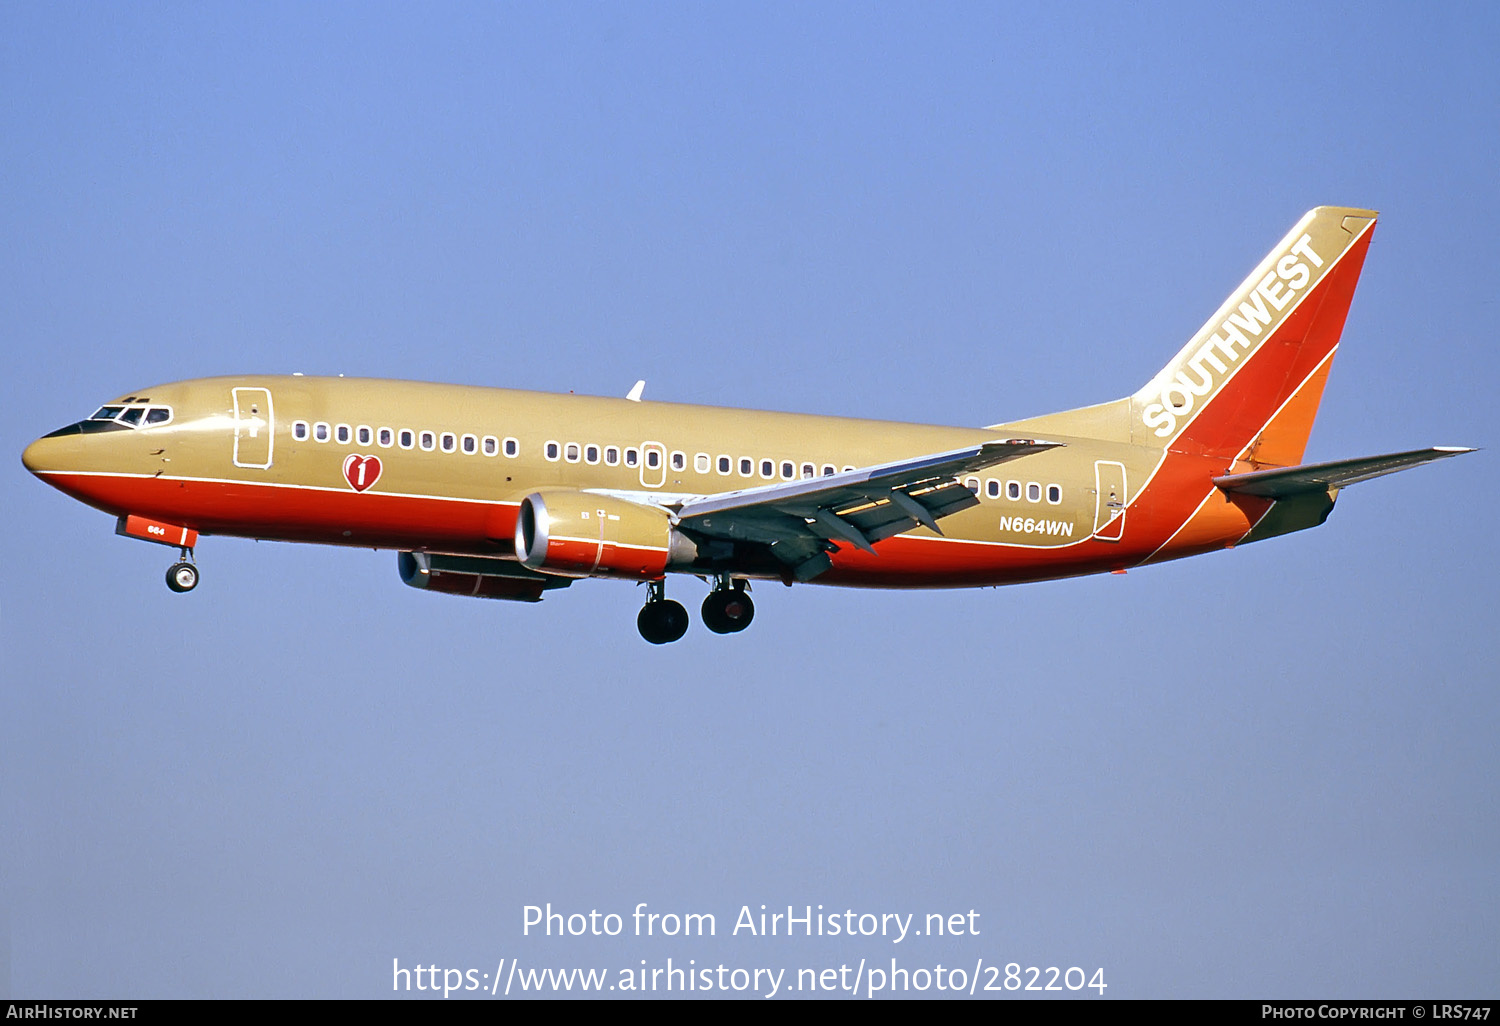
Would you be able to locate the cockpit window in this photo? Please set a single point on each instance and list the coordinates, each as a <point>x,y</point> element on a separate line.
<point>134,416</point>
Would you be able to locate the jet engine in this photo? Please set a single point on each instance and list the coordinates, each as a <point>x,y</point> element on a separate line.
<point>580,534</point>
<point>476,576</point>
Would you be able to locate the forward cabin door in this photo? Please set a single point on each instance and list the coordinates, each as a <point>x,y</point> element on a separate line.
<point>254,427</point>
<point>1109,509</point>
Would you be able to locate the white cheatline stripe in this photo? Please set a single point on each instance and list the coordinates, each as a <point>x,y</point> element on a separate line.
<point>1179,530</point>
<point>613,544</point>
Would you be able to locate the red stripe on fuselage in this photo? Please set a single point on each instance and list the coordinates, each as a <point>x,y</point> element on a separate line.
<point>293,513</point>
<point>380,520</point>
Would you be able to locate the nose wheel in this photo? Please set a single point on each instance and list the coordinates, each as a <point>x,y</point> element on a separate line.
<point>661,620</point>
<point>182,576</point>
<point>728,609</point>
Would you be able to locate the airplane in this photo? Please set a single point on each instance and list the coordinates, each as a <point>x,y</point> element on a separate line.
<point>507,494</point>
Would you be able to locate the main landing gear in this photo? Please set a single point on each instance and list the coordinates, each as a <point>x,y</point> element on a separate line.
<point>183,575</point>
<point>726,610</point>
<point>661,620</point>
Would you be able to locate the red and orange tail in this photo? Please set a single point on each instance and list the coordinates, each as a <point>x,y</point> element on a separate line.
<point>1247,387</point>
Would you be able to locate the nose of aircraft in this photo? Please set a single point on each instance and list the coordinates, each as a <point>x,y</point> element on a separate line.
<point>50,452</point>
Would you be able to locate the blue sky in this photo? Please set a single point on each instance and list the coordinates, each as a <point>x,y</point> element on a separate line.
<point>1269,772</point>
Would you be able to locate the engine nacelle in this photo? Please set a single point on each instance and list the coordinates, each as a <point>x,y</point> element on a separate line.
<point>475,576</point>
<point>577,534</point>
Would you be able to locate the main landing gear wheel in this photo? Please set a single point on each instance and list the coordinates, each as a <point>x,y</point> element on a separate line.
<point>182,577</point>
<point>728,610</point>
<point>661,620</point>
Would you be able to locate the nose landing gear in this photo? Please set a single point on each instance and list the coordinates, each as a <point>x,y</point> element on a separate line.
<point>661,620</point>
<point>182,576</point>
<point>728,609</point>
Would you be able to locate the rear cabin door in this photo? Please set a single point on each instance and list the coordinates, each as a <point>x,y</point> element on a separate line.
<point>254,427</point>
<point>1109,509</point>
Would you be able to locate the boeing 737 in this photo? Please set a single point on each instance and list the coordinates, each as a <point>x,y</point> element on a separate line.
<point>508,494</point>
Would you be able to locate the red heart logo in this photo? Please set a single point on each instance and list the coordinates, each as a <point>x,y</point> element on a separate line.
<point>361,471</point>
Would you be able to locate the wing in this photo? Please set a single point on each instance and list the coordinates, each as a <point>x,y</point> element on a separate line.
<point>1317,477</point>
<point>803,521</point>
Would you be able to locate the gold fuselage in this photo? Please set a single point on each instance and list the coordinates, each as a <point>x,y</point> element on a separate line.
<point>265,457</point>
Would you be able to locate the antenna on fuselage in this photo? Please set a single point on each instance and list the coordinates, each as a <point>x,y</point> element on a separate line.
<point>634,395</point>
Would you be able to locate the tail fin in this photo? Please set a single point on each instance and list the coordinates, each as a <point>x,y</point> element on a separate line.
<point>1248,384</point>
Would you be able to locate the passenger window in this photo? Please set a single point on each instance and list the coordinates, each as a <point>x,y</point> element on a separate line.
<point>362,435</point>
<point>299,430</point>
<point>470,445</point>
<point>747,467</point>
<point>407,438</point>
<point>850,470</point>
<point>1054,494</point>
<point>387,438</point>
<point>1033,492</point>
<point>767,469</point>
<point>341,433</point>
<point>828,470</point>
<point>653,458</point>
<point>788,471</point>
<point>320,431</point>
<point>552,451</point>
<point>449,441</point>
<point>808,470</point>
<point>1013,490</point>
<point>428,441</point>
<point>512,446</point>
<point>992,488</point>
<point>632,457</point>
<point>491,445</point>
<point>591,454</point>
<point>725,464</point>
<point>701,463</point>
<point>972,484</point>
<point>611,456</point>
<point>679,461</point>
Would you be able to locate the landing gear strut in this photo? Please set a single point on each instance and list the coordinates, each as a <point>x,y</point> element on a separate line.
<point>183,574</point>
<point>661,620</point>
<point>728,609</point>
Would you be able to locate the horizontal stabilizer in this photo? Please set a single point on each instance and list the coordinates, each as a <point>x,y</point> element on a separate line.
<point>1318,477</point>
